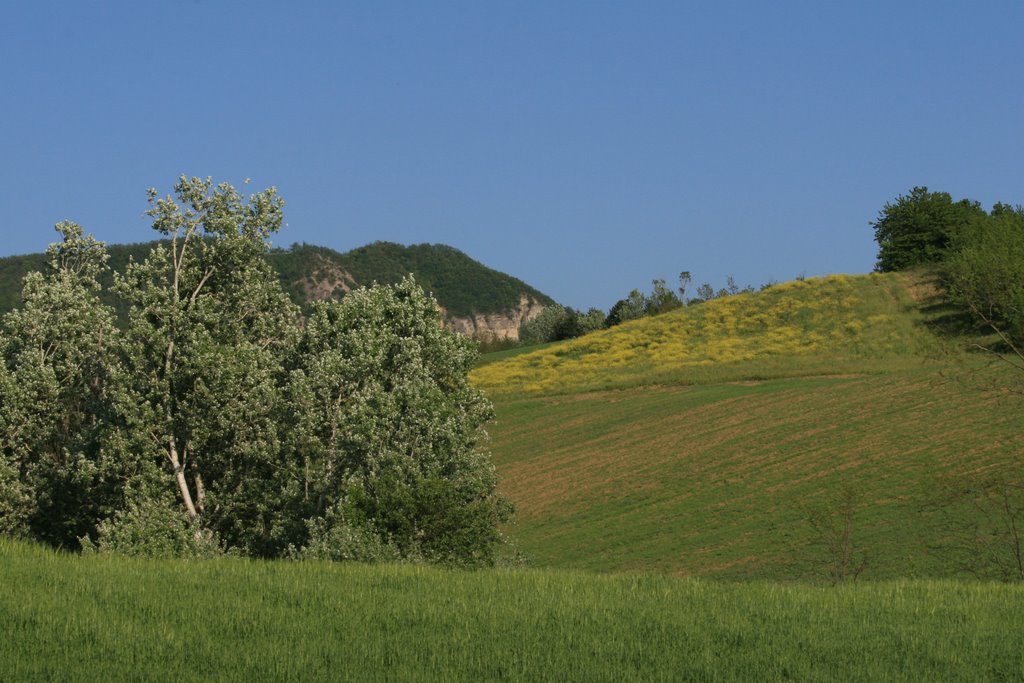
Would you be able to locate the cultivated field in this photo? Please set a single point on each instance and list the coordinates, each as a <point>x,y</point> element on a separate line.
<point>748,436</point>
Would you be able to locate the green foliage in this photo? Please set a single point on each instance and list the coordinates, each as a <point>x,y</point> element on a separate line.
<point>705,292</point>
<point>57,354</point>
<point>388,427</point>
<point>460,284</point>
<point>542,328</point>
<point>632,307</point>
<point>984,271</point>
<point>556,323</point>
<point>153,526</point>
<point>916,229</point>
<point>488,344</point>
<point>337,541</point>
<point>208,329</point>
<point>591,321</point>
<point>13,270</point>
<point>107,619</point>
<point>272,433</point>
<point>661,299</point>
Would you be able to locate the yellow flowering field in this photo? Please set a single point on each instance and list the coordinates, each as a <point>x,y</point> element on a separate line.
<point>841,316</point>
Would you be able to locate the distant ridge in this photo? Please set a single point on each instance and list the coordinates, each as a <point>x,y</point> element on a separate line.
<point>475,299</point>
<point>462,285</point>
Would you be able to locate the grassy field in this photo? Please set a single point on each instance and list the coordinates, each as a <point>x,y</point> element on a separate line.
<point>723,479</point>
<point>750,462</point>
<point>88,618</point>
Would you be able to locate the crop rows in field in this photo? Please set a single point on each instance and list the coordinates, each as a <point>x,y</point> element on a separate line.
<point>717,480</point>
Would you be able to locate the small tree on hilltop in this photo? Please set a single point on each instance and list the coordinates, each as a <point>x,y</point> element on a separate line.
<point>632,307</point>
<point>662,299</point>
<point>984,271</point>
<point>917,228</point>
<point>592,320</point>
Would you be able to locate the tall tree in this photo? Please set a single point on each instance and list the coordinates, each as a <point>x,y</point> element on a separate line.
<point>56,358</point>
<point>208,329</point>
<point>387,428</point>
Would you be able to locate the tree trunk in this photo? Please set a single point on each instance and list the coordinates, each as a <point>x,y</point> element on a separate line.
<point>179,475</point>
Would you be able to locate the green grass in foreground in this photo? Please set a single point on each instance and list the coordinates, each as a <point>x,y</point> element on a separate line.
<point>69,618</point>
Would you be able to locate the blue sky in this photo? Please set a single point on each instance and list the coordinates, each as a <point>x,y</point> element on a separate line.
<point>585,147</point>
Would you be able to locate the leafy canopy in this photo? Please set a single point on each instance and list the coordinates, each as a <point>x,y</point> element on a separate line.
<point>917,229</point>
<point>220,419</point>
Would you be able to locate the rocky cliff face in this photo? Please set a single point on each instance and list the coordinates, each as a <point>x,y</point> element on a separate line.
<point>495,326</point>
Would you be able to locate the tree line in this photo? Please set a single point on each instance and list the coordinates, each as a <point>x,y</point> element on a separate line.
<point>557,322</point>
<point>221,419</point>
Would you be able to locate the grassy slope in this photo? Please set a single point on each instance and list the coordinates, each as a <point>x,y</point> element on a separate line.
<point>88,618</point>
<point>722,440</point>
<point>799,328</point>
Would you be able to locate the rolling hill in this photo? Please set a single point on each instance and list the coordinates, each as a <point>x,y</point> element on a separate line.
<point>817,428</point>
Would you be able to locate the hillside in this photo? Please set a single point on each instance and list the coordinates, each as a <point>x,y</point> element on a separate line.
<point>836,324</point>
<point>763,436</point>
<point>477,300</point>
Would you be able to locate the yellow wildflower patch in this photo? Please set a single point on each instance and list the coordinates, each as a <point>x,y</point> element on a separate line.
<point>838,314</point>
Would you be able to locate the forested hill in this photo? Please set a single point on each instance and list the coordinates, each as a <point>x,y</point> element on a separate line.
<point>13,270</point>
<point>463,286</point>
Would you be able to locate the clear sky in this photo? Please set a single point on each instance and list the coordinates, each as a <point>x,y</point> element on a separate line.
<point>585,147</point>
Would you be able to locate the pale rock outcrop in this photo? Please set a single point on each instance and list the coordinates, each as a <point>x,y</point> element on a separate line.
<point>327,282</point>
<point>495,326</point>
